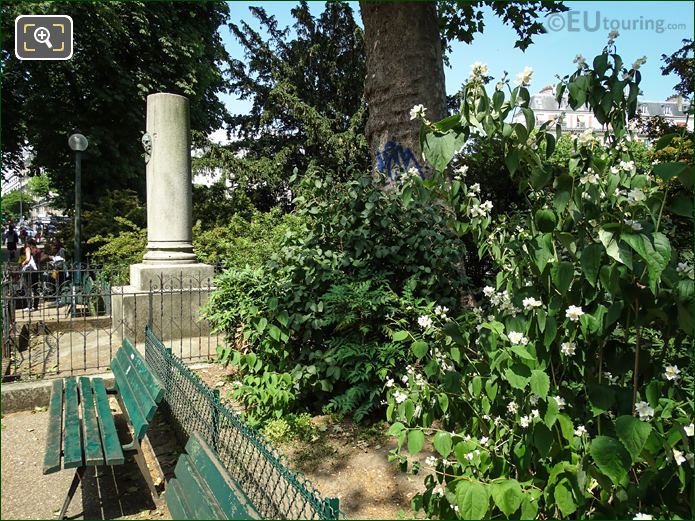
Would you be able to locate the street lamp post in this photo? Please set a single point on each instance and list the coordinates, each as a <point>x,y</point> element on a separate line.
<point>78,143</point>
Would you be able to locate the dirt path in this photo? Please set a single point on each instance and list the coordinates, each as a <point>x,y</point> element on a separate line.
<point>346,461</point>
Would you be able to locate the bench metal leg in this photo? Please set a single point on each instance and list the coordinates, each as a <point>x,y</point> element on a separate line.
<point>79,473</point>
<point>142,464</point>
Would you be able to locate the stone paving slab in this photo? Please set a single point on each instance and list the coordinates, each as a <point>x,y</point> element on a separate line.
<point>110,493</point>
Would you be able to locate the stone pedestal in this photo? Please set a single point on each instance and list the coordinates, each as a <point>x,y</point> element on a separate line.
<point>169,286</point>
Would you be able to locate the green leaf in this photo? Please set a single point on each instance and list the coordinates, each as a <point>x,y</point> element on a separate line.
<point>564,498</point>
<point>664,141</point>
<point>274,332</point>
<point>443,401</point>
<point>562,274</point>
<point>601,397</point>
<point>512,161</point>
<point>656,257</point>
<point>507,495</point>
<point>419,348</point>
<point>440,148</point>
<point>551,412</point>
<point>615,250</point>
<point>518,376</point>
<point>667,171</point>
<point>683,206</point>
<point>529,507</point>
<point>262,323</point>
<point>610,457</point>
<point>416,440</point>
<point>633,433</point>
<point>540,383</point>
<point>442,443</point>
<point>472,499</point>
<point>542,439</point>
<point>591,262</point>
<point>399,336</point>
<point>395,429</point>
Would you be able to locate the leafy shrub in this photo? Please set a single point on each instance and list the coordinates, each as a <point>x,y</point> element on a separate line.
<point>291,427</point>
<point>564,393</point>
<point>244,241</point>
<point>319,309</point>
<point>115,253</point>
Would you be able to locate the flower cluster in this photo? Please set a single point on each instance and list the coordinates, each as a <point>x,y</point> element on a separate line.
<point>524,77</point>
<point>479,71</point>
<point>574,313</point>
<point>418,112</point>
<point>481,210</point>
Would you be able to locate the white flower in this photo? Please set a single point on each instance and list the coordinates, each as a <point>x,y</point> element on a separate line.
<point>484,440</point>
<point>488,291</point>
<point>580,431</point>
<point>512,407</point>
<point>404,379</point>
<point>431,461</point>
<point>639,516</point>
<point>389,382</point>
<point>628,166</point>
<point>478,71</point>
<point>568,348</point>
<point>612,380</point>
<point>678,456</point>
<point>473,189</point>
<point>620,193</point>
<point>639,62</point>
<point>579,60</point>
<point>530,303</point>
<point>645,412</point>
<point>560,402</point>
<point>469,456</point>
<point>438,490</point>
<point>424,322</point>
<point>585,138</point>
<point>635,196</point>
<point>461,171</point>
<point>441,311</point>
<point>525,421</point>
<point>455,508</point>
<point>517,338</point>
<point>690,429</point>
<point>535,413</point>
<point>418,111</point>
<point>614,170</point>
<point>590,178</point>
<point>400,397</point>
<point>636,226</point>
<point>533,399</point>
<point>671,372</point>
<point>524,77</point>
<point>573,313</point>
<point>685,269</point>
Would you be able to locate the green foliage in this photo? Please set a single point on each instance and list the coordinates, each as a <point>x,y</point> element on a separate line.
<point>11,203</point>
<point>307,111</point>
<point>291,427</point>
<point>564,393</point>
<point>318,312</point>
<point>115,253</point>
<point>122,53</point>
<point>243,242</point>
<point>39,186</point>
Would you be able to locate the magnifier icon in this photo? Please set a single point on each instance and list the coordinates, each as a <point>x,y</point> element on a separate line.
<point>43,35</point>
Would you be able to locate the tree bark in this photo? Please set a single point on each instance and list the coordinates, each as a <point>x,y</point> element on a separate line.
<point>404,69</point>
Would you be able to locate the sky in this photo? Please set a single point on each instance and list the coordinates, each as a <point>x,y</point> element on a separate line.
<point>653,28</point>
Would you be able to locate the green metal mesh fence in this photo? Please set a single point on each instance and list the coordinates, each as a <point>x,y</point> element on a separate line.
<point>276,491</point>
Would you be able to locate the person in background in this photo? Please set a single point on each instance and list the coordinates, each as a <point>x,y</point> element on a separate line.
<point>11,238</point>
<point>34,258</point>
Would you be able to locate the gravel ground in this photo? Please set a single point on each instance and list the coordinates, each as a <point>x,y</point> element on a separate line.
<point>109,493</point>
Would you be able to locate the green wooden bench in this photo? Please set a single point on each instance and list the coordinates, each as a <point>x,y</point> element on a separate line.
<point>81,429</point>
<point>203,489</point>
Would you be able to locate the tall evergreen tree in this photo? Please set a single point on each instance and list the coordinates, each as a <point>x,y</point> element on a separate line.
<point>306,86</point>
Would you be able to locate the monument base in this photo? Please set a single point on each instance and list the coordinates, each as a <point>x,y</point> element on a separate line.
<point>148,276</point>
<point>168,296</point>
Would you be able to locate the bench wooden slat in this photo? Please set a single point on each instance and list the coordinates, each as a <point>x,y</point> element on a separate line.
<point>72,452</point>
<point>142,396</point>
<point>93,454</point>
<point>151,382</point>
<point>230,498</point>
<point>54,436</point>
<point>176,501</point>
<point>109,437</point>
<point>202,502</point>
<point>137,418</point>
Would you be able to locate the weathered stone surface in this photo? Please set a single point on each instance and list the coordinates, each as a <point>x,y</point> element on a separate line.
<point>167,277</point>
<point>169,184</point>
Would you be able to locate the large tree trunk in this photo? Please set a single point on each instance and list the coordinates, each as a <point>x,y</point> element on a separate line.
<point>404,69</point>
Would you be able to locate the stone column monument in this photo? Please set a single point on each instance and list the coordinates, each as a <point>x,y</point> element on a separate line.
<point>178,283</point>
